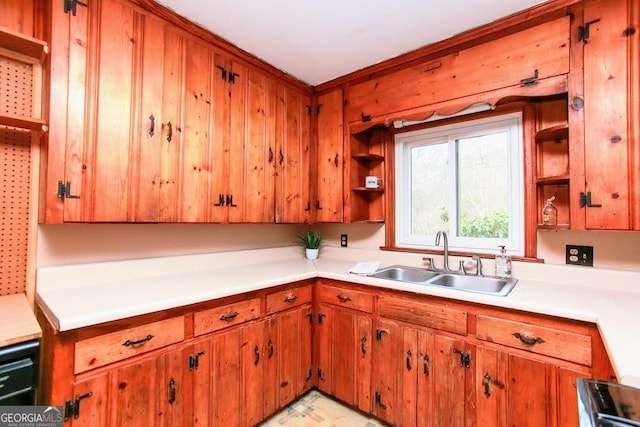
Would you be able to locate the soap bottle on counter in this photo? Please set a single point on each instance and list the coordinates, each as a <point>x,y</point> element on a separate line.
<point>550,213</point>
<point>503,263</point>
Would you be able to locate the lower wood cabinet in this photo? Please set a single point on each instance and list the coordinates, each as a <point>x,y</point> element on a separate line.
<point>421,376</point>
<point>410,360</point>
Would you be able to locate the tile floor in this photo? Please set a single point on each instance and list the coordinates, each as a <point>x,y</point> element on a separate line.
<point>316,409</point>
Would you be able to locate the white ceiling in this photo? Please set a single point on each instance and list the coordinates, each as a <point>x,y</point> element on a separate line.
<point>318,40</point>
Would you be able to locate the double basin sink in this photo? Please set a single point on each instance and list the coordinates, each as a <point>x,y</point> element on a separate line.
<point>480,284</point>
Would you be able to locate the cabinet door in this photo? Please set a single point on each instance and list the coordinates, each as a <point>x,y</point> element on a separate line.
<point>237,92</point>
<point>330,158</point>
<point>175,394</point>
<point>449,378</point>
<point>135,389</point>
<point>93,401</point>
<point>258,194</point>
<point>606,116</point>
<point>387,382</point>
<point>194,137</point>
<point>101,112</point>
<point>227,396</point>
<point>513,390</point>
<point>292,159</point>
<point>344,354</point>
<point>253,369</point>
<point>294,354</point>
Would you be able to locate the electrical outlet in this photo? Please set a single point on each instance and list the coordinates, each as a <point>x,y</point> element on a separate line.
<point>344,240</point>
<point>580,255</point>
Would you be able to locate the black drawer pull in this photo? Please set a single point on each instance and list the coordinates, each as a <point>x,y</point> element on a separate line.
<point>343,298</point>
<point>528,340</point>
<point>290,299</point>
<point>138,343</point>
<point>229,317</point>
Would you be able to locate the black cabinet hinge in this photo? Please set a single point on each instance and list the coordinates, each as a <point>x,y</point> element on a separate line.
<point>310,316</point>
<point>318,108</point>
<point>70,6</point>
<point>465,358</point>
<point>365,117</point>
<point>64,191</point>
<point>585,201</point>
<point>232,77</point>
<point>320,317</point>
<point>530,81</point>
<point>378,399</point>
<point>230,201</point>
<point>379,333</point>
<point>308,109</point>
<point>223,72</point>
<point>584,30</point>
<point>72,409</point>
<point>193,360</point>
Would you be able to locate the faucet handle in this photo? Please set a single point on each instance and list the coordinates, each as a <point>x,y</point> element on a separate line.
<point>429,262</point>
<point>478,261</point>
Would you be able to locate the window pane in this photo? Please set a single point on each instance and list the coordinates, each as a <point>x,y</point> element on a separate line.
<point>429,188</point>
<point>483,186</point>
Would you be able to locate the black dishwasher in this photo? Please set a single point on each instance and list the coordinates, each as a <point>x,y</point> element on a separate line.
<point>19,373</point>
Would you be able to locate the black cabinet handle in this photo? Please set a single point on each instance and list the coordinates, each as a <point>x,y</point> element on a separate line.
<point>409,355</point>
<point>318,207</point>
<point>152,125</point>
<point>486,382</point>
<point>169,131</point>
<point>425,365</point>
<point>172,392</point>
<point>229,317</point>
<point>363,345</point>
<point>281,161</point>
<point>335,160</point>
<point>270,155</point>
<point>256,352</point>
<point>308,208</point>
<point>138,343</point>
<point>270,347</point>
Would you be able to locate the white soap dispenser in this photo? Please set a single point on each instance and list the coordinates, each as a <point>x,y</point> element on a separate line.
<point>503,263</point>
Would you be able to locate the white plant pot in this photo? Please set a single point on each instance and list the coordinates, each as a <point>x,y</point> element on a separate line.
<point>312,253</point>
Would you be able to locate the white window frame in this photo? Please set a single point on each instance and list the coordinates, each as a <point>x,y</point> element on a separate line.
<point>512,124</point>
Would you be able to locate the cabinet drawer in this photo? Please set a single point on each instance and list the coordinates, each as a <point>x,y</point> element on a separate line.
<point>283,300</point>
<point>347,298</point>
<point>430,315</point>
<point>225,316</point>
<point>536,339</point>
<point>105,349</point>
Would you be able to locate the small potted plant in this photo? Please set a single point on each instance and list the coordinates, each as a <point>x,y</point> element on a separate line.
<point>310,241</point>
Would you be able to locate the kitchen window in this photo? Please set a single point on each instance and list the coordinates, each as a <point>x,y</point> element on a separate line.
<point>465,178</point>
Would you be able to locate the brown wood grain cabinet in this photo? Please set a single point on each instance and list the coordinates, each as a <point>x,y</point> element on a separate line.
<point>330,162</point>
<point>405,358</point>
<point>605,115</point>
<point>344,345</point>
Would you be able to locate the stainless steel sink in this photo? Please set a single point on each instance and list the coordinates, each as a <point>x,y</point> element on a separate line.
<point>405,274</point>
<point>420,276</point>
<point>484,285</point>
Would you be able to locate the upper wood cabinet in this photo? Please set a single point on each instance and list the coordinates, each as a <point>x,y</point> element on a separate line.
<point>604,114</point>
<point>515,60</point>
<point>292,156</point>
<point>152,124</point>
<point>330,158</point>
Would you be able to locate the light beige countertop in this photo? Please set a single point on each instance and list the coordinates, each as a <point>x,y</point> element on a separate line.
<point>17,321</point>
<point>82,295</point>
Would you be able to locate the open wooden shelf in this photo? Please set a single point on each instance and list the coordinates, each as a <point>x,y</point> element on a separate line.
<point>367,157</point>
<point>554,227</point>
<point>24,45</point>
<point>553,180</point>
<point>368,190</point>
<point>29,123</point>
<point>553,133</point>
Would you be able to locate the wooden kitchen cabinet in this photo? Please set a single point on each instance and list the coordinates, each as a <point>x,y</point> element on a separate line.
<point>605,115</point>
<point>330,160</point>
<point>422,377</point>
<point>542,52</point>
<point>292,156</point>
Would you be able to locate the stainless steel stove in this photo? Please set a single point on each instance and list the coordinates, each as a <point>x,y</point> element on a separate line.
<point>602,404</point>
